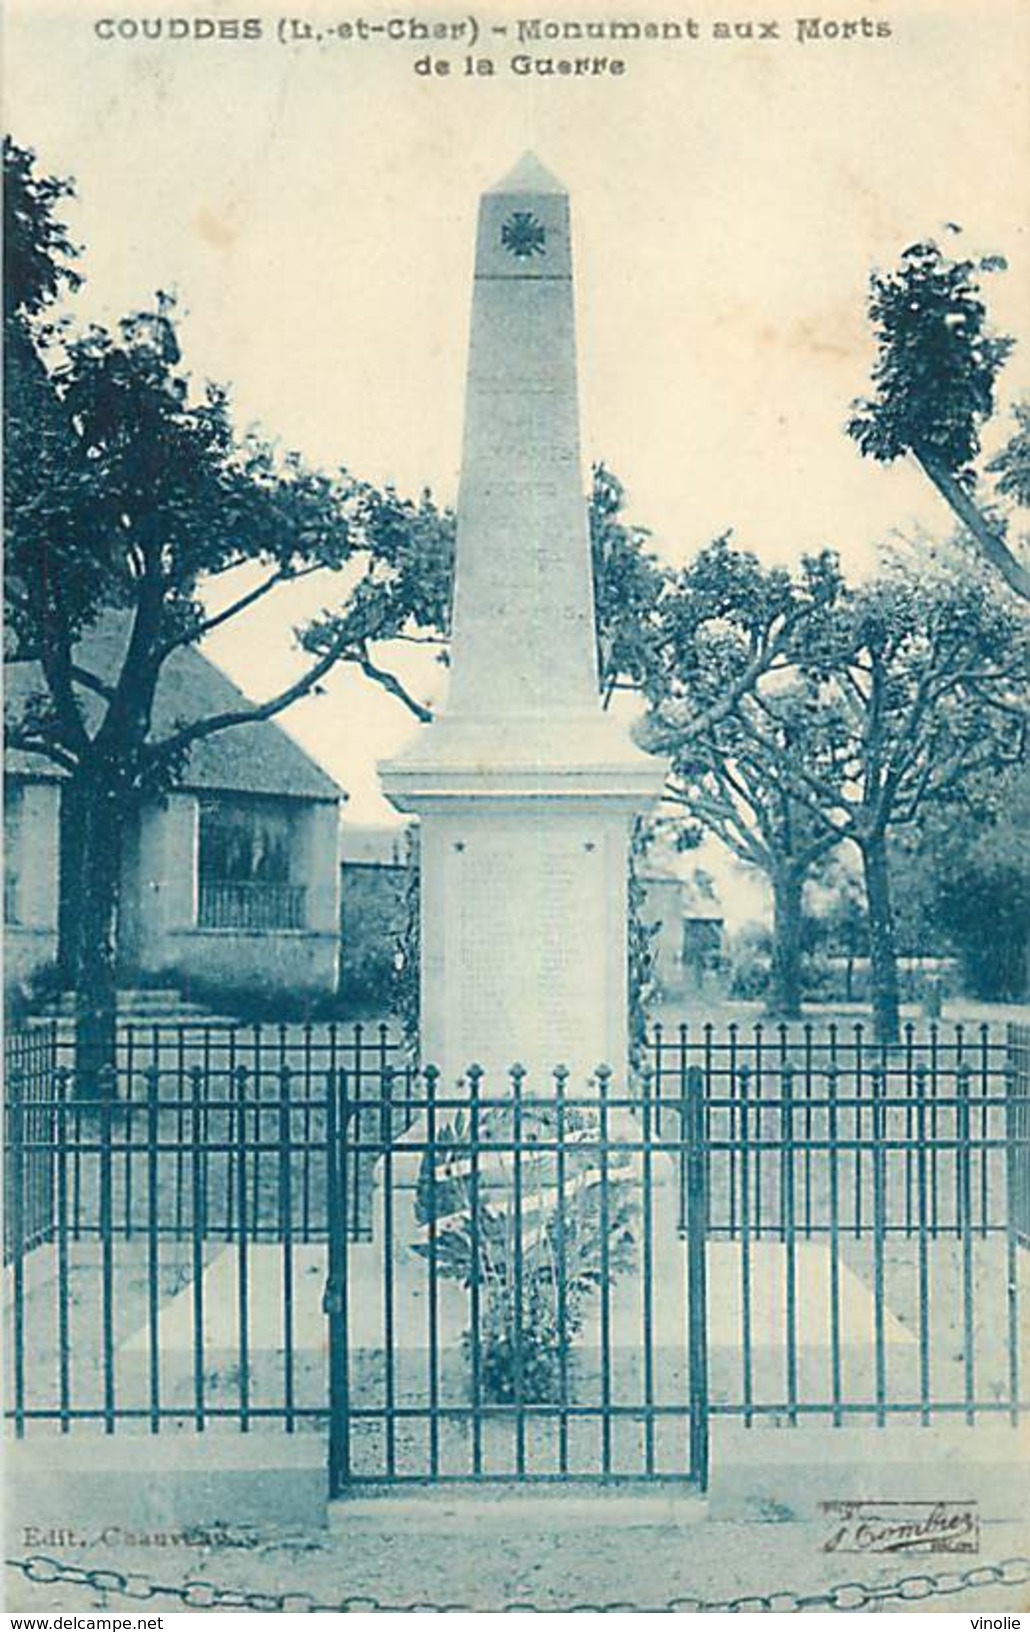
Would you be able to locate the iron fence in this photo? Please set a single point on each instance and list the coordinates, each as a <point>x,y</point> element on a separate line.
<point>530,1280</point>
<point>176,1259</point>
<point>865,1213</point>
<point>30,1059</point>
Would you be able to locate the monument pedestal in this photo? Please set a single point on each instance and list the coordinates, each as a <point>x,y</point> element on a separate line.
<point>524,839</point>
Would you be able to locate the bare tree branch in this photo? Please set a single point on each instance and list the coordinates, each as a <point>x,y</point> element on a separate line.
<point>243,604</point>
<point>390,683</point>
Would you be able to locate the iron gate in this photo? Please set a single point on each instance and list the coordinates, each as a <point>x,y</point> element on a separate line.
<point>504,1319</point>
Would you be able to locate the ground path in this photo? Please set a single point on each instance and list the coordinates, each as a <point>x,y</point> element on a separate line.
<point>552,1554</point>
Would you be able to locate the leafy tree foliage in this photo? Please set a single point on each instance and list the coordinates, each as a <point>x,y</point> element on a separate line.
<point>934,379</point>
<point>39,255</point>
<point>725,698</point>
<point>921,687</point>
<point>970,864</point>
<point>747,800</point>
<point>628,586</point>
<point>867,707</point>
<point>128,492</point>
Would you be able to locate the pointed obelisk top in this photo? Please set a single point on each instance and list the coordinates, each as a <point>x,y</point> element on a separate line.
<point>523,708</point>
<point>528,176</point>
<point>524,232</point>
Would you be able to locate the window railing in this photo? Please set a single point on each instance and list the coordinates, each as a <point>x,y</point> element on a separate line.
<point>251,904</point>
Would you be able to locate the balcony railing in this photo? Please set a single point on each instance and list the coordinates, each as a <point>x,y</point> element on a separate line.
<point>254,904</point>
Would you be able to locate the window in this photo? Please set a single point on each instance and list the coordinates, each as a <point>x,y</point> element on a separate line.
<point>12,851</point>
<point>246,856</point>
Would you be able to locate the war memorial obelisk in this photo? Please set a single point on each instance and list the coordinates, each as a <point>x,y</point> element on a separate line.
<point>525,788</point>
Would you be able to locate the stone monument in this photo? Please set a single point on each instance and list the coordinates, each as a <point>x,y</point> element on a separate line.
<point>525,788</point>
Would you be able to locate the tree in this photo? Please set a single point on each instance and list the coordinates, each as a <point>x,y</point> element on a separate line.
<point>629,584</point>
<point>935,376</point>
<point>138,499</point>
<point>972,866</point>
<point>747,801</point>
<point>729,707</point>
<point>920,687</point>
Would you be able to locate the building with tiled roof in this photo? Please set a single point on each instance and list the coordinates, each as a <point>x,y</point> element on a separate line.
<point>229,883</point>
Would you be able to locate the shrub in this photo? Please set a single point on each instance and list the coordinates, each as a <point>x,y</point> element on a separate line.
<point>535,1269</point>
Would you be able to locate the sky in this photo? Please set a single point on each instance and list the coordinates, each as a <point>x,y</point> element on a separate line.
<point>312,205</point>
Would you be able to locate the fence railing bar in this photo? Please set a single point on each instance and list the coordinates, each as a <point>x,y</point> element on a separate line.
<point>923,1258</point>
<point>603,1087</point>
<point>934,1065</point>
<point>305,1153</point>
<point>475,1136</point>
<point>518,1343</point>
<point>560,1079</point>
<point>963,1193</point>
<point>733,1065</point>
<point>858,1125</point>
<point>790,1241</point>
<point>433,1355</point>
<point>759,1114</point>
<point>129,1106</point>
<point>198,1231</point>
<point>747,1361</point>
<point>692,1122</point>
<point>106,1220</point>
<point>336,1298</point>
<point>153,1248</point>
<point>61,1090</point>
<point>879,1224</point>
<point>1012,1253</point>
<point>807,1079</point>
<point>286,1238</point>
<point>647,1308</point>
<point>389,1337</point>
<point>964,1180</point>
<point>15,1124</point>
<point>836,1380</point>
<point>985,1121</point>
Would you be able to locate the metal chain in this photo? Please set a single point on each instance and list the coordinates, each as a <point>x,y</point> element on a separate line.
<point>847,1596</point>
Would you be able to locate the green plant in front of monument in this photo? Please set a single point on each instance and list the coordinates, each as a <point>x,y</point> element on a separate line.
<point>534,1220</point>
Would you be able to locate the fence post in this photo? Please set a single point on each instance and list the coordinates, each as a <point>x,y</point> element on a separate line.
<point>1017,1080</point>
<point>153,1082</point>
<point>15,1177</point>
<point>285,1207</point>
<point>964,1178</point>
<point>107,1089</point>
<point>693,1120</point>
<point>334,1301</point>
<point>1013,1214</point>
<point>240,1078</point>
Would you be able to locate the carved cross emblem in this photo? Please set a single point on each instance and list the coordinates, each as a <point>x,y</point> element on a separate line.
<point>523,236</point>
